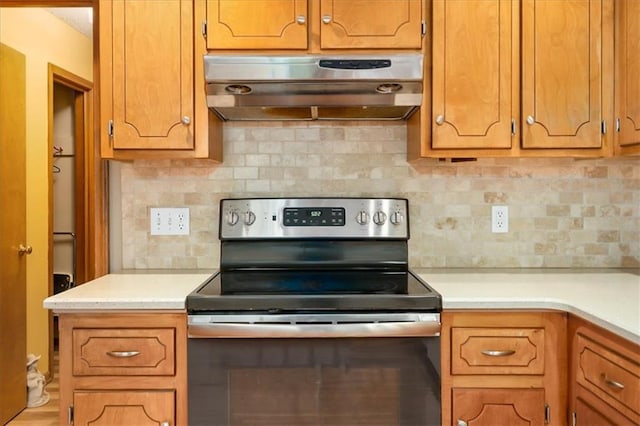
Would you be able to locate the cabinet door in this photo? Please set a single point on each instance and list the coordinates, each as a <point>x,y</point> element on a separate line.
<point>147,73</point>
<point>124,408</point>
<point>628,72</point>
<point>376,24</point>
<point>257,24</point>
<point>562,73</point>
<point>475,73</point>
<point>514,407</point>
<point>590,410</point>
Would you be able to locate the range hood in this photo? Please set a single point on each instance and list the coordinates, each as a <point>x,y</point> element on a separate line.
<point>314,87</point>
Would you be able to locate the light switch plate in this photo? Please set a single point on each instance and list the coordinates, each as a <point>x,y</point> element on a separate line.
<point>169,220</point>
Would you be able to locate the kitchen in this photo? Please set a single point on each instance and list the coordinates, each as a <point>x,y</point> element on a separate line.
<point>564,213</point>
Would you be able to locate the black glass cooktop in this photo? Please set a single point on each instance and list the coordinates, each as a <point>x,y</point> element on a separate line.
<point>313,290</point>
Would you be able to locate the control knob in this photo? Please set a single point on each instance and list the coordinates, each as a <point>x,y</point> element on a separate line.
<point>232,218</point>
<point>249,217</point>
<point>362,217</point>
<point>379,218</point>
<point>396,218</point>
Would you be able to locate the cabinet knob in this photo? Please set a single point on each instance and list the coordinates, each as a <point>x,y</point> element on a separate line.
<point>530,120</point>
<point>326,19</point>
<point>440,120</point>
<point>165,424</point>
<point>301,19</point>
<point>462,423</point>
<point>22,249</point>
<point>186,120</point>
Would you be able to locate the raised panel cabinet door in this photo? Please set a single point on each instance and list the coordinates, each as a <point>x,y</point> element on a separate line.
<point>125,408</point>
<point>257,24</point>
<point>562,74</point>
<point>375,24</point>
<point>151,73</point>
<point>491,407</point>
<point>475,73</point>
<point>628,76</point>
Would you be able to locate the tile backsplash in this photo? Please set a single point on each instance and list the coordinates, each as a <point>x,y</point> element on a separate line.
<point>563,212</point>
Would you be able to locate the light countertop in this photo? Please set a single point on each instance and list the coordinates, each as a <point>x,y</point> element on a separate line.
<point>128,291</point>
<point>608,299</point>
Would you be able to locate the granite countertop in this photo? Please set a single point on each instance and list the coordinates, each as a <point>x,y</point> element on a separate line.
<point>610,299</point>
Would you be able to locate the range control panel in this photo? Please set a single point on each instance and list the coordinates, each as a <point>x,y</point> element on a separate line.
<point>264,218</point>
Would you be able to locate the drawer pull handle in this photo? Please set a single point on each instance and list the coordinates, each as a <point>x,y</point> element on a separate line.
<point>496,353</point>
<point>123,354</point>
<point>613,384</point>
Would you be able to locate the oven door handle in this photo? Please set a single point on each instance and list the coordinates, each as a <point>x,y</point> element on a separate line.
<point>257,330</point>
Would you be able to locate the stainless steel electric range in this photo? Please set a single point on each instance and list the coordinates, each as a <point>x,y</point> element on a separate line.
<point>314,318</point>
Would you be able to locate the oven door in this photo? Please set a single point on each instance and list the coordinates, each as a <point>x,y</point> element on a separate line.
<point>302,374</point>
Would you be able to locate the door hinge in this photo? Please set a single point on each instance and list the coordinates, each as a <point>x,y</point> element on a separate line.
<point>110,128</point>
<point>513,127</point>
<point>603,127</point>
<point>618,125</point>
<point>547,414</point>
<point>574,419</point>
<point>70,415</point>
<point>423,28</point>
<point>204,29</point>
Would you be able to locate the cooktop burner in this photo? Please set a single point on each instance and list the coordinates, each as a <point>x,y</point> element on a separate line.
<point>295,291</point>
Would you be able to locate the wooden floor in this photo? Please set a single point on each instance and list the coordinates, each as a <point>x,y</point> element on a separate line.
<point>46,415</point>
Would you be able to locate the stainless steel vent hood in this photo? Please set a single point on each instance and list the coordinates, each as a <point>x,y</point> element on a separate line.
<point>314,87</point>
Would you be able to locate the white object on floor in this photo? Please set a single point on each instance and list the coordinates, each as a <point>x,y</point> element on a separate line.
<point>36,394</point>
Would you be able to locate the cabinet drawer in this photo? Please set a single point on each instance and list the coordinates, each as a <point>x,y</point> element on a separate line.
<point>497,351</point>
<point>609,375</point>
<point>128,351</point>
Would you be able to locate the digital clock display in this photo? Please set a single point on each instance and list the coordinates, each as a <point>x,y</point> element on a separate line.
<point>314,216</point>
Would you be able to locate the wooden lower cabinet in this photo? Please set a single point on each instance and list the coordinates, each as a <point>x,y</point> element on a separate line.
<point>493,407</point>
<point>604,377</point>
<point>124,408</point>
<point>123,368</point>
<point>504,368</point>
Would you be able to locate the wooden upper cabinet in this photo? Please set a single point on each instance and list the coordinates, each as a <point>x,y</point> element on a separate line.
<point>475,73</point>
<point>257,24</point>
<point>562,71</point>
<point>375,24</point>
<point>627,75</point>
<point>149,77</point>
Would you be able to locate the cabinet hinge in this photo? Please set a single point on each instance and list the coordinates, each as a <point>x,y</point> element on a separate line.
<point>110,128</point>
<point>574,419</point>
<point>70,415</point>
<point>618,124</point>
<point>513,127</point>
<point>204,29</point>
<point>603,127</point>
<point>423,28</point>
<point>547,414</point>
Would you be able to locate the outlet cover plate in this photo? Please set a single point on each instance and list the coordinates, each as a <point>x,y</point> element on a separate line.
<point>169,220</point>
<point>499,219</point>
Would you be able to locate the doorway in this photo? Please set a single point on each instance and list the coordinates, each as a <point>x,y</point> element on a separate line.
<point>70,107</point>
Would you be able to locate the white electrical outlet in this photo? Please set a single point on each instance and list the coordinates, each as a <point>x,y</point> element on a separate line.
<point>169,220</point>
<point>499,219</point>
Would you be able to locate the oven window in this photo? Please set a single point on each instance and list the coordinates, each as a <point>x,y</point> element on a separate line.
<point>343,381</point>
